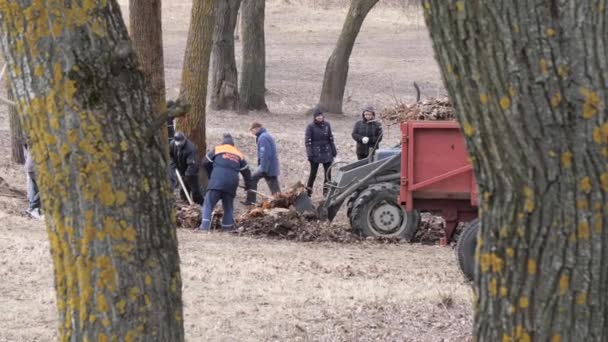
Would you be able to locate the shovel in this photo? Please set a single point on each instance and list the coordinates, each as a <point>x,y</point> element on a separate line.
<point>181,182</point>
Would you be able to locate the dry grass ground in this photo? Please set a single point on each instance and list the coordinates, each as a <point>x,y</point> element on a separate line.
<point>238,288</point>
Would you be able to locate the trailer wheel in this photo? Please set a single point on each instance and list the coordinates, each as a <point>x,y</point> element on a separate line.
<point>377,212</point>
<point>465,249</point>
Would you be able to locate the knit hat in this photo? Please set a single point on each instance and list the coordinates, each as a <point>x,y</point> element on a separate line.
<point>317,112</point>
<point>179,136</point>
<point>227,139</point>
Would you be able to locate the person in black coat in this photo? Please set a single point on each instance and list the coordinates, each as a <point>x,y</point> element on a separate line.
<point>320,149</point>
<point>367,132</point>
<point>183,158</point>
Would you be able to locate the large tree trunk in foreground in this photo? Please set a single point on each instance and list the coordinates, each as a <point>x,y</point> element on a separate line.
<point>104,189</point>
<point>145,23</point>
<point>528,80</point>
<point>336,70</point>
<point>195,73</point>
<point>17,136</point>
<point>224,80</point>
<point>253,69</point>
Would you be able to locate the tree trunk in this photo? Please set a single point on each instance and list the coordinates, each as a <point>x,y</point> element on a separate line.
<point>253,68</point>
<point>224,94</point>
<point>145,23</point>
<point>17,136</point>
<point>528,81</point>
<point>104,189</point>
<point>336,70</point>
<point>195,73</point>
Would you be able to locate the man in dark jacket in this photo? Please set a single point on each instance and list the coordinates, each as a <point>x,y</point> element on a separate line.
<point>268,162</point>
<point>367,132</point>
<point>223,164</point>
<point>320,149</point>
<point>183,159</point>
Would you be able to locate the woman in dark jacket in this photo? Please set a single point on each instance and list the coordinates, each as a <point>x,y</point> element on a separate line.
<point>320,148</point>
<point>367,132</point>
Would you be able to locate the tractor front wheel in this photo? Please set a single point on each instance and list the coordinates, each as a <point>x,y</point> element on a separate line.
<point>377,212</point>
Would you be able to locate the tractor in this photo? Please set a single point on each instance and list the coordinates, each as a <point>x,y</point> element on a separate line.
<point>429,172</point>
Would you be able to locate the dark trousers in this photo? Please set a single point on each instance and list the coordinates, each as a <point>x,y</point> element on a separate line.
<point>363,155</point>
<point>272,182</point>
<point>211,199</point>
<point>314,167</point>
<point>194,189</point>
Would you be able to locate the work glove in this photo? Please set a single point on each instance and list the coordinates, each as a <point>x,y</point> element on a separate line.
<point>365,140</point>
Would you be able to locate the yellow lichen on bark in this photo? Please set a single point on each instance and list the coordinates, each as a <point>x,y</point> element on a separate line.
<point>564,284</point>
<point>567,159</point>
<point>591,104</point>
<point>529,199</point>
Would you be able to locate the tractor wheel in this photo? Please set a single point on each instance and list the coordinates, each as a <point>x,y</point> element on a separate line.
<point>350,202</point>
<point>377,212</point>
<point>465,249</point>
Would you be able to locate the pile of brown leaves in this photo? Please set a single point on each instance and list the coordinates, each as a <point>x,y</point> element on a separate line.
<point>429,109</point>
<point>188,216</point>
<point>430,229</point>
<point>276,218</point>
<point>289,225</point>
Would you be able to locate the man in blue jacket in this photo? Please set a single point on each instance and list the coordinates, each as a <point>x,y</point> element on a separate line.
<point>268,163</point>
<point>223,164</point>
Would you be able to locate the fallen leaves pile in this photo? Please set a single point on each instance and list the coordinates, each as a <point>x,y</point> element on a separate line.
<point>276,218</point>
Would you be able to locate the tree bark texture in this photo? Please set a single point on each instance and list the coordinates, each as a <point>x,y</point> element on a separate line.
<point>105,190</point>
<point>195,73</point>
<point>528,79</point>
<point>224,79</point>
<point>253,67</point>
<point>336,70</point>
<point>145,23</point>
<point>17,135</point>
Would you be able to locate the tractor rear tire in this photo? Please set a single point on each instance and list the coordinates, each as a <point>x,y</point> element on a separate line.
<point>465,249</point>
<point>377,212</point>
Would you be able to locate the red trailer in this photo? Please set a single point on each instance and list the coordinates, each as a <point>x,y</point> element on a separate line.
<point>436,174</point>
<point>430,172</point>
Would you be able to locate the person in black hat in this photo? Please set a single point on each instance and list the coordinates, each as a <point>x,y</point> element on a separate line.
<point>367,132</point>
<point>183,159</point>
<point>320,149</point>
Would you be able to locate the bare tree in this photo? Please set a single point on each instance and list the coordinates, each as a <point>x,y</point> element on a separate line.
<point>145,27</point>
<point>336,70</point>
<point>253,70</point>
<point>195,73</point>
<point>528,80</point>
<point>224,79</point>
<point>108,214</point>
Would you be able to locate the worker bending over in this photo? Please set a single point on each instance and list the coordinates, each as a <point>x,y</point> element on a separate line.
<point>223,164</point>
